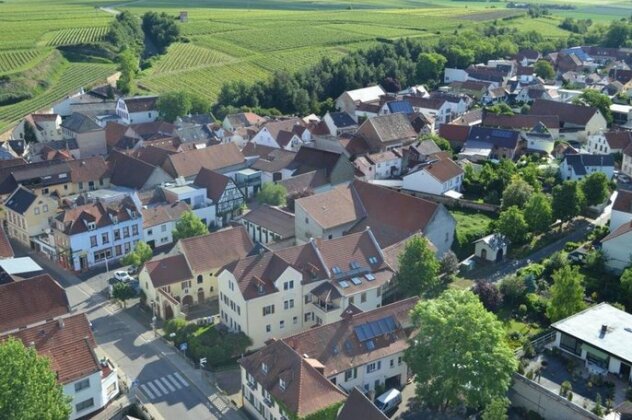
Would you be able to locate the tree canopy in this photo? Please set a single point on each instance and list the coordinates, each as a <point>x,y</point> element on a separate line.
<point>430,66</point>
<point>595,188</point>
<point>128,66</point>
<point>29,132</point>
<point>460,354</point>
<point>568,200</point>
<point>626,288</point>
<point>272,194</point>
<point>28,386</point>
<point>600,101</point>
<point>538,213</point>
<point>517,193</point>
<point>567,293</point>
<point>513,225</point>
<point>139,256</point>
<point>178,104</point>
<point>123,292</point>
<point>188,226</point>
<point>544,69</point>
<point>418,268</point>
<point>161,29</point>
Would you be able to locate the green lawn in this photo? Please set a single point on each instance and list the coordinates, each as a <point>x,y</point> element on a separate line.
<point>526,329</point>
<point>469,227</point>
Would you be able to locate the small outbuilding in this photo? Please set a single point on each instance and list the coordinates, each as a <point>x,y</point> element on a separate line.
<point>491,247</point>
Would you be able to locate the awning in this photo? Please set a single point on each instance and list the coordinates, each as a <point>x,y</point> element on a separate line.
<point>597,353</point>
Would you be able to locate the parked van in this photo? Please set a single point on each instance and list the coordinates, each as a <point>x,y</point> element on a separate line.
<point>389,400</point>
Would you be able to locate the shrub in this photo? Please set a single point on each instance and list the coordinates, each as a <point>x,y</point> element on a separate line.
<point>571,246</point>
<point>598,409</point>
<point>522,309</point>
<point>488,294</point>
<point>565,388</point>
<point>528,349</point>
<point>173,326</point>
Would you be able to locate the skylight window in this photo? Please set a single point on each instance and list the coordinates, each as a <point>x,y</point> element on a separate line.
<point>369,276</point>
<point>344,284</point>
<point>356,281</point>
<point>336,270</point>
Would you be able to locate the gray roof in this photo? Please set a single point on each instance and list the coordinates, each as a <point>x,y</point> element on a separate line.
<point>392,127</point>
<point>80,123</point>
<point>20,200</point>
<point>342,119</point>
<point>581,161</point>
<point>495,136</point>
<point>273,219</point>
<point>587,327</point>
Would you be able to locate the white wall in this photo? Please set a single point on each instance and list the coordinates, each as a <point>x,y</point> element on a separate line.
<point>365,380</point>
<point>98,391</point>
<point>619,252</point>
<point>440,230</point>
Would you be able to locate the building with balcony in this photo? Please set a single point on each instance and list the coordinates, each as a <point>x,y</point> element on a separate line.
<point>194,196</point>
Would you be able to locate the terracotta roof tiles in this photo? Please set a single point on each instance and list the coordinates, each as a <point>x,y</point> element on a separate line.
<point>214,250</point>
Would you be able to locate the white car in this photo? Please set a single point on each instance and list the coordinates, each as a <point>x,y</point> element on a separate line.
<point>122,276</point>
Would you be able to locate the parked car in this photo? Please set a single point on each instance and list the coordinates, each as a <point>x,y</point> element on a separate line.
<point>122,276</point>
<point>388,401</point>
<point>132,269</point>
<point>624,178</point>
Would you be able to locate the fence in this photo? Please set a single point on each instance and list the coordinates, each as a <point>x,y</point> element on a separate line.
<point>453,202</point>
<point>539,342</point>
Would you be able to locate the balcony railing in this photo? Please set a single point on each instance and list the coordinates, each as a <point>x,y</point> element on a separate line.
<point>326,306</point>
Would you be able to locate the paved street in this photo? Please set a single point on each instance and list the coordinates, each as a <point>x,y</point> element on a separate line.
<point>162,377</point>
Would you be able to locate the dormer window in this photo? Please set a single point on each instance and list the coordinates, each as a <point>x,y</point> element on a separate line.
<point>373,260</point>
<point>282,384</point>
<point>264,367</point>
<point>336,270</point>
<point>114,219</point>
<point>92,226</point>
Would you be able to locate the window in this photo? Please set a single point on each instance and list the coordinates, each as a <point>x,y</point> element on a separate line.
<point>81,185</point>
<point>200,279</point>
<point>104,238</point>
<point>264,369</point>
<point>288,285</point>
<point>268,328</point>
<point>126,232</point>
<point>281,324</point>
<point>118,250</point>
<point>379,292</point>
<point>363,297</point>
<point>268,310</point>
<point>117,234</point>
<point>571,344</point>
<point>392,362</point>
<point>45,208</point>
<point>83,384</point>
<point>93,241</point>
<point>163,228</point>
<point>282,384</point>
<point>288,304</point>
<point>295,320</point>
<point>308,299</point>
<point>150,232</point>
<point>36,210</point>
<point>399,361</point>
<point>127,247</point>
<point>351,374</point>
<point>134,229</point>
<point>84,404</point>
<point>306,220</point>
<point>231,285</point>
<point>186,284</point>
<point>372,367</point>
<point>351,300</point>
<point>308,316</point>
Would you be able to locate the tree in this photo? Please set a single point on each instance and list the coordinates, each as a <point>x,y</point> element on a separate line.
<point>538,213</point>
<point>29,385</point>
<point>617,35</point>
<point>128,66</point>
<point>568,201</point>
<point>199,104</point>
<point>595,188</point>
<point>517,192</point>
<point>567,293</point>
<point>626,288</point>
<point>496,409</point>
<point>489,295</point>
<point>161,29</point>
<point>29,132</point>
<point>600,101</point>
<point>513,225</point>
<point>173,105</point>
<point>452,364</point>
<point>544,69</point>
<point>449,263</point>
<point>500,109</point>
<point>188,226</point>
<point>442,143</point>
<point>418,268</point>
<point>430,67</point>
<point>139,256</point>
<point>272,194</point>
<point>513,289</point>
<point>122,291</point>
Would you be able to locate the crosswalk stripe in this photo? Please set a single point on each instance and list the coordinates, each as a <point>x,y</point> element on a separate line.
<point>147,391</point>
<point>173,380</point>
<point>177,375</point>
<point>159,385</point>
<point>165,381</point>
<point>153,388</point>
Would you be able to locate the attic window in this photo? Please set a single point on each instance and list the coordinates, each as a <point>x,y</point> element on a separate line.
<point>373,260</point>
<point>92,226</point>
<point>264,367</point>
<point>336,270</point>
<point>354,265</point>
<point>282,384</point>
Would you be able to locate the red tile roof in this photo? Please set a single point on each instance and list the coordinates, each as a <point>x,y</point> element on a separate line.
<point>163,213</point>
<point>621,230</point>
<point>30,301</point>
<point>454,133</point>
<point>567,113</point>
<point>618,139</point>
<point>168,270</point>
<point>358,406</point>
<point>214,183</point>
<point>188,163</point>
<point>214,250</point>
<point>623,202</point>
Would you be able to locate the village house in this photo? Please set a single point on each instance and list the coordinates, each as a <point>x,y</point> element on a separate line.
<point>617,247</point>
<point>393,216</point>
<point>223,193</point>
<point>350,100</point>
<point>188,276</point>
<point>336,166</point>
<point>419,152</point>
<point>225,159</point>
<point>28,215</point>
<point>490,143</point>
<point>382,165</point>
<point>273,164</point>
<point>233,122</point>
<point>130,172</point>
<point>339,123</point>
<point>491,247</point>
<point>609,142</point>
<point>97,233</point>
<point>137,109</point>
<point>288,134</point>
<point>47,127</point>
<point>387,132</point>
<point>267,224</point>
<point>577,122</point>
<point>576,167</point>
<point>599,337</point>
<point>160,220</point>
<point>438,107</point>
<point>621,209</point>
<point>89,135</point>
<point>283,292</point>
<point>438,176</point>
<point>401,106</point>
<point>358,404</point>
<point>194,196</point>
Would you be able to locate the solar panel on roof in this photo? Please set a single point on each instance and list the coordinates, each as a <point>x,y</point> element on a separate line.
<point>502,133</point>
<point>356,281</point>
<point>376,328</point>
<point>344,284</point>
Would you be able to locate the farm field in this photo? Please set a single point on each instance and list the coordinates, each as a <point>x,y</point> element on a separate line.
<point>243,39</point>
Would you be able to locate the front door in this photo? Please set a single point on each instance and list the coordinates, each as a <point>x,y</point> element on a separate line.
<point>624,371</point>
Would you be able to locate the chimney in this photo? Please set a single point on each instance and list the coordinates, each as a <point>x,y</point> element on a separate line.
<point>61,323</point>
<point>604,329</point>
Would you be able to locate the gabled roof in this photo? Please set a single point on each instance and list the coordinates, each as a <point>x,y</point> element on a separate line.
<point>244,119</point>
<point>69,344</point>
<point>217,157</point>
<point>274,161</point>
<point>495,136</point>
<point>128,171</point>
<point>215,250</point>
<point>308,181</point>
<point>454,133</point>
<point>153,155</point>
<point>567,113</point>
<point>519,121</point>
<point>89,169</point>
<point>618,139</point>
<point>21,200</point>
<point>442,170</point>
<point>141,103</point>
<point>30,301</point>
<point>623,202</point>
<point>305,390</point>
<point>579,162</point>
<point>370,93</point>
<point>290,125</point>
<point>402,106</point>
<point>621,230</point>
<point>387,128</point>
<point>75,220</point>
<point>273,219</point>
<point>80,123</point>
<point>310,159</point>
<point>342,119</point>
<point>337,207</point>
<point>168,270</point>
<point>342,345</point>
<point>358,406</point>
<point>214,183</point>
<point>163,213</point>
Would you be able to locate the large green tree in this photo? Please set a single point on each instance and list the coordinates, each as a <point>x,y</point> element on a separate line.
<point>496,409</point>
<point>139,256</point>
<point>173,105</point>
<point>28,386</point>
<point>461,353</point>
<point>128,66</point>
<point>418,268</point>
<point>513,225</point>
<point>123,292</point>
<point>517,192</point>
<point>544,69</point>
<point>567,293</point>
<point>272,194</point>
<point>595,188</point>
<point>538,213</point>
<point>568,201</point>
<point>430,67</point>
<point>188,226</point>
<point>626,288</point>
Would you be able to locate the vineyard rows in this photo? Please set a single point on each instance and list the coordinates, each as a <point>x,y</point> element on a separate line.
<point>75,36</point>
<point>75,76</point>
<point>189,56</point>
<point>11,61</point>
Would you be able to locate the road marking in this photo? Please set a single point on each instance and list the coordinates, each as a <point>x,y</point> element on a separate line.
<point>147,391</point>
<point>177,375</point>
<point>176,383</point>
<point>165,381</point>
<point>159,385</point>
<point>153,388</point>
